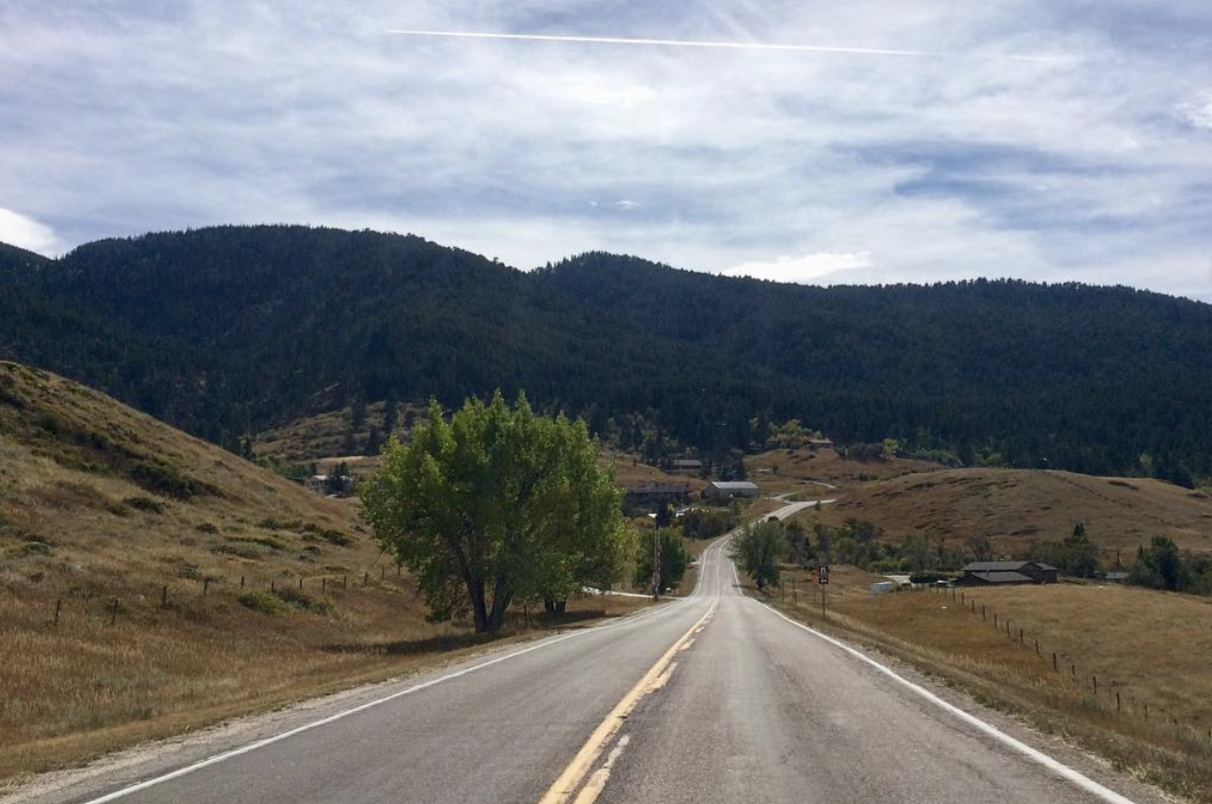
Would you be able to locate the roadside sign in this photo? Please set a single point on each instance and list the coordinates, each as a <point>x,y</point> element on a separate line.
<point>822,574</point>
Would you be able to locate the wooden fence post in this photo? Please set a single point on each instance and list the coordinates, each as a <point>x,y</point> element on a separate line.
<point>241,581</point>
<point>58,606</point>
<point>365,578</point>
<point>1054,667</point>
<point>324,586</point>
<point>113,612</point>
<point>205,586</point>
<point>164,597</point>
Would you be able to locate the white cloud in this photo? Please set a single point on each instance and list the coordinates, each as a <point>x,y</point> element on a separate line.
<point>1199,113</point>
<point>808,269</point>
<point>25,232</point>
<point>190,113</point>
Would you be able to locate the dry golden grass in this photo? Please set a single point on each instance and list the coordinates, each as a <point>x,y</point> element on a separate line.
<point>1013,507</point>
<point>794,470</point>
<point>322,436</point>
<point>629,471</point>
<point>1151,648</point>
<point>88,515</point>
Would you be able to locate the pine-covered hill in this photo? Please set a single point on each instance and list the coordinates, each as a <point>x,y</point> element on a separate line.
<point>229,329</point>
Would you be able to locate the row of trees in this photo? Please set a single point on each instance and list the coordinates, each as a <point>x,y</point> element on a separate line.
<point>1162,565</point>
<point>761,548</point>
<point>497,505</point>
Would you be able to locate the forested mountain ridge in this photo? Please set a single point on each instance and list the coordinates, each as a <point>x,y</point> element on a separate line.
<point>225,330</point>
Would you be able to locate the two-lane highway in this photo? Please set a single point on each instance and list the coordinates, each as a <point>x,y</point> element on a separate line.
<point>714,698</point>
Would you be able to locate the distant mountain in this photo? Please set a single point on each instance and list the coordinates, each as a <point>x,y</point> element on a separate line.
<point>228,330</point>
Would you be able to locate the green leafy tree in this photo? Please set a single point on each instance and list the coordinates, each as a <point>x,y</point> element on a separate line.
<point>675,558</point>
<point>1160,566</point>
<point>498,504</point>
<point>1079,555</point>
<point>758,551</point>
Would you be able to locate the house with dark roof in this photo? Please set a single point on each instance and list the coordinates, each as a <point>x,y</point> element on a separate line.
<point>1007,573</point>
<point>727,490</point>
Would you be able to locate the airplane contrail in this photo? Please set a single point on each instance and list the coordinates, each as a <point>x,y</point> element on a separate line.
<point>613,40</point>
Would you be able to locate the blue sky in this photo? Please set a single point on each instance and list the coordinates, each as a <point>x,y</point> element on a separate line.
<point>1090,161</point>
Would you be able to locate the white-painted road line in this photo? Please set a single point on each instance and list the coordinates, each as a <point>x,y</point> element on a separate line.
<point>1076,777</point>
<point>277,738</point>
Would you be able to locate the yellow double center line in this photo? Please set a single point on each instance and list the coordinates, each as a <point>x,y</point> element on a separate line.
<point>579,768</point>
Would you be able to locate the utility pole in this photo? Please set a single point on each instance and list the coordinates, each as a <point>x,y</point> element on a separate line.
<point>656,562</point>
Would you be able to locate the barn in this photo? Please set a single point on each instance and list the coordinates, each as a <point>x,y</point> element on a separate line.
<point>1007,573</point>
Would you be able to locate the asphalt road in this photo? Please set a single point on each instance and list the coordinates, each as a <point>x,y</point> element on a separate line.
<point>713,698</point>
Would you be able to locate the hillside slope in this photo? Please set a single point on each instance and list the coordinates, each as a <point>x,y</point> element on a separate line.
<point>100,503</point>
<point>1014,507</point>
<point>230,330</point>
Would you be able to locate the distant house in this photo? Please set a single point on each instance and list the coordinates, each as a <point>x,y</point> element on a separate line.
<point>687,466</point>
<point>727,490</point>
<point>324,484</point>
<point>648,496</point>
<point>1112,577</point>
<point>1006,573</point>
<point>819,443</point>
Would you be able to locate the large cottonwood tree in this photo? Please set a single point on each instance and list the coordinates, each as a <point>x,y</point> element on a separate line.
<point>497,504</point>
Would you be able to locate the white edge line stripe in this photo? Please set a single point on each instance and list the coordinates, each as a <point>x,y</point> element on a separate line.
<point>235,752</point>
<point>1084,782</point>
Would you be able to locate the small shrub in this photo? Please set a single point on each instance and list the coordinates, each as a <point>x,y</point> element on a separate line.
<point>145,504</point>
<point>238,550</point>
<point>264,541</point>
<point>160,478</point>
<point>118,509</point>
<point>305,602</point>
<point>52,424</point>
<point>270,523</point>
<point>189,571</point>
<point>337,537</point>
<point>207,527</point>
<point>263,602</point>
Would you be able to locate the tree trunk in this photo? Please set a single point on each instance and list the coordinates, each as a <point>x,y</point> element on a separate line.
<point>479,609</point>
<point>549,606</point>
<point>502,595</point>
<point>560,606</point>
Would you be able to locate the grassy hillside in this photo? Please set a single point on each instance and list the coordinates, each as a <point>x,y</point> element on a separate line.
<point>235,590</point>
<point>1014,507</point>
